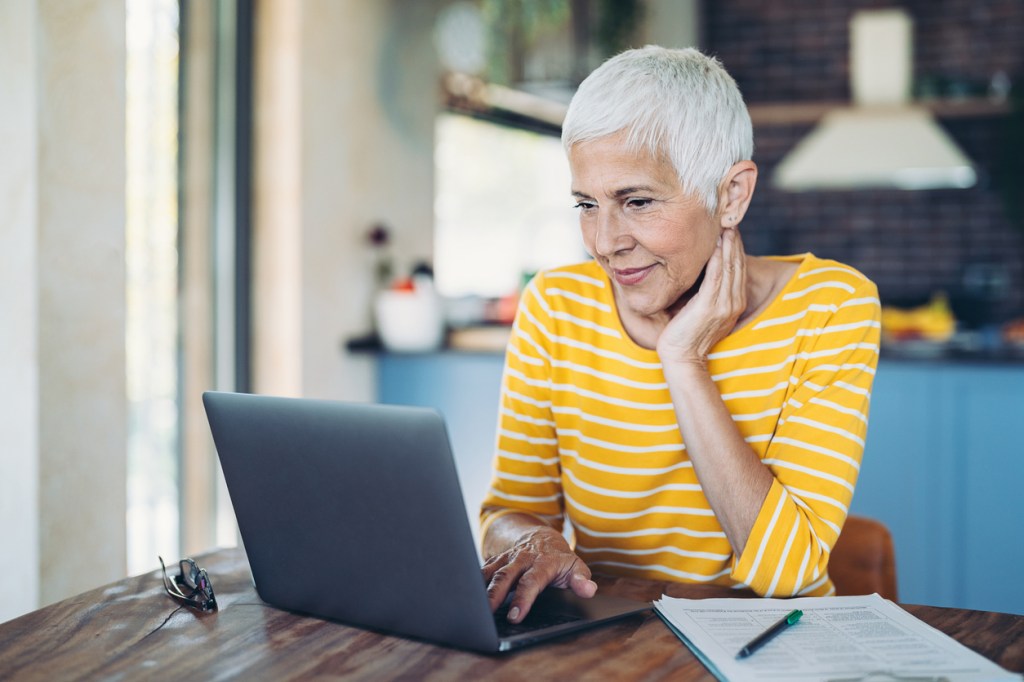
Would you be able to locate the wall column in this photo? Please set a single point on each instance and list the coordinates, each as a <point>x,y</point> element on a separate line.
<point>62,299</point>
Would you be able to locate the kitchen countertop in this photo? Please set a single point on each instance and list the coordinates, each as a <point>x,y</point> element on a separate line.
<point>917,354</point>
<point>964,347</point>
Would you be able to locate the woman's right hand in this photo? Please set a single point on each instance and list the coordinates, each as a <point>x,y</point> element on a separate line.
<point>714,310</point>
<point>538,558</point>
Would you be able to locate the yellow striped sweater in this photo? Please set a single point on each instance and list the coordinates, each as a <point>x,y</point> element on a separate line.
<point>587,431</point>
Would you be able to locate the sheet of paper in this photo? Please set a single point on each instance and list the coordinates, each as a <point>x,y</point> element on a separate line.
<point>846,639</point>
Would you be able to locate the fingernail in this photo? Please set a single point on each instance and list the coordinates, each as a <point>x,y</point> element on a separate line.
<point>513,613</point>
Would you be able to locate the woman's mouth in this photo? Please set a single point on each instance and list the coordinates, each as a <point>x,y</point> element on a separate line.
<point>628,277</point>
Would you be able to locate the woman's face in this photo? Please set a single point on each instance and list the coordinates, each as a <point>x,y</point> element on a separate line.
<point>651,238</point>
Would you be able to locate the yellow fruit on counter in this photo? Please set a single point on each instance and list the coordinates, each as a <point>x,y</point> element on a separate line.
<point>933,321</point>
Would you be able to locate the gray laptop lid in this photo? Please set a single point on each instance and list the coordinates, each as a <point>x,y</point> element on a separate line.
<point>353,512</point>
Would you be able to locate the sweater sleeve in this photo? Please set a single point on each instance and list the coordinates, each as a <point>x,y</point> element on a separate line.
<point>815,454</point>
<point>526,472</point>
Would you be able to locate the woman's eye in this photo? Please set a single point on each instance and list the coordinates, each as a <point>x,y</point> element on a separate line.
<point>585,205</point>
<point>638,203</point>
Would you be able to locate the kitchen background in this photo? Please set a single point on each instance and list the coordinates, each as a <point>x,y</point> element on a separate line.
<point>911,243</point>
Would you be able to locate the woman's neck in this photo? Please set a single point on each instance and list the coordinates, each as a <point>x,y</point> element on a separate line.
<point>766,278</point>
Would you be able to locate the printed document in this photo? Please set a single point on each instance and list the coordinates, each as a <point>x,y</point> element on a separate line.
<point>840,639</point>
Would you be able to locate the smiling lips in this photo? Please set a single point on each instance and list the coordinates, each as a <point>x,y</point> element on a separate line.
<point>631,276</point>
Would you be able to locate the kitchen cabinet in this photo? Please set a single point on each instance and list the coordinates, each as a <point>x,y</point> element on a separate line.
<point>943,467</point>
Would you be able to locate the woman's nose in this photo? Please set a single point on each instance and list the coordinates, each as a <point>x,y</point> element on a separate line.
<point>612,233</point>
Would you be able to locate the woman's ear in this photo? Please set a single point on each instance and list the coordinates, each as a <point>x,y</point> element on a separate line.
<point>737,190</point>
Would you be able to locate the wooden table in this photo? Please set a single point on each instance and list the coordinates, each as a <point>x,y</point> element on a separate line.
<point>132,630</point>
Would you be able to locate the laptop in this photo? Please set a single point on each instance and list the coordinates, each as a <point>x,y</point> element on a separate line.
<point>353,512</point>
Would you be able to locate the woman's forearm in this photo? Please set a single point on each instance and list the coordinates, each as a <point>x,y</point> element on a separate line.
<point>731,475</point>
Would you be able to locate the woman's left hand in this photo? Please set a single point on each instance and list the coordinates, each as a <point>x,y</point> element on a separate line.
<point>712,313</point>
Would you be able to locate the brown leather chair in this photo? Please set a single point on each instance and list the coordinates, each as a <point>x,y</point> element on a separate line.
<point>863,560</point>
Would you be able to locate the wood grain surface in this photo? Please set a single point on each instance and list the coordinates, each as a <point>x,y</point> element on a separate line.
<point>132,630</point>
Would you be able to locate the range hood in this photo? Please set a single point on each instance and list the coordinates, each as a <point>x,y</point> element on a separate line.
<point>882,141</point>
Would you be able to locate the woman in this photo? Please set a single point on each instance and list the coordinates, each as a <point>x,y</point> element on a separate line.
<point>690,412</point>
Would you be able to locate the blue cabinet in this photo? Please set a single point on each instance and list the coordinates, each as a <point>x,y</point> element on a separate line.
<point>899,478</point>
<point>943,468</point>
<point>993,548</point>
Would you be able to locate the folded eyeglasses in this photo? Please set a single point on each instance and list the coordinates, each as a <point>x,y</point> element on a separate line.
<point>191,585</point>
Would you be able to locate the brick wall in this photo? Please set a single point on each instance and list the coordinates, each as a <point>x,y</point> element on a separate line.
<point>910,243</point>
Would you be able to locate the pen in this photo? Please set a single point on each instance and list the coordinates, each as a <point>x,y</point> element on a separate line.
<point>763,638</point>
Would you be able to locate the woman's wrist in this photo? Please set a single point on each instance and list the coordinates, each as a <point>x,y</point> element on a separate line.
<point>541,535</point>
<point>683,368</point>
<point>511,529</point>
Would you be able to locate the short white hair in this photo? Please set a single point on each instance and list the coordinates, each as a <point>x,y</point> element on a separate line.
<point>674,103</point>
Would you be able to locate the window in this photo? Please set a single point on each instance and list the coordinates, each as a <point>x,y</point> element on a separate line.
<point>503,207</point>
<point>152,283</point>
